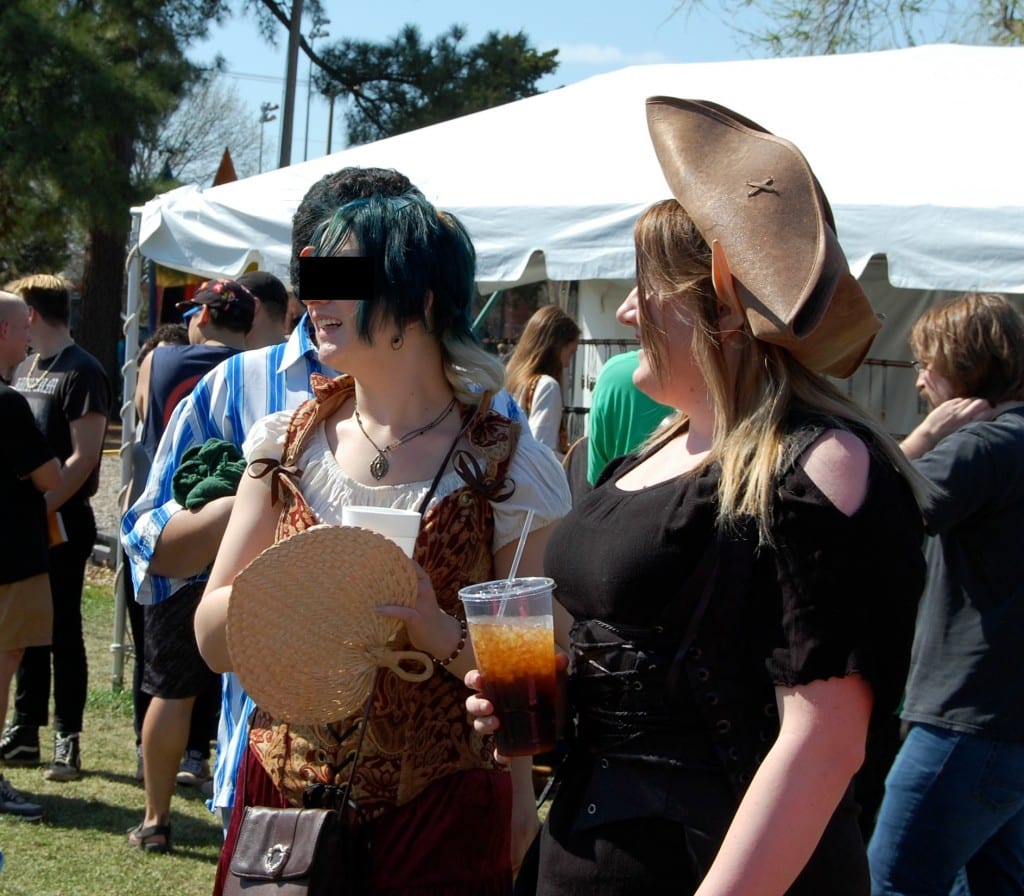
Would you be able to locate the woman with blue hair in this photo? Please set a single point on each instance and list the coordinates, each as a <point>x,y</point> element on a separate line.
<point>419,421</point>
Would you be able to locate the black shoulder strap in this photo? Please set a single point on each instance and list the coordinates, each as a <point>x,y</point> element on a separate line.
<point>444,463</point>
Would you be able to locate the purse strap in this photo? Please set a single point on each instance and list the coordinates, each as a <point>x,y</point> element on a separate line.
<point>362,734</point>
<point>470,417</point>
<point>321,796</point>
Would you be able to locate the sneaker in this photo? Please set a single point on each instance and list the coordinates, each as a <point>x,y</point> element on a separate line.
<point>67,759</point>
<point>20,745</point>
<point>194,770</point>
<point>13,803</point>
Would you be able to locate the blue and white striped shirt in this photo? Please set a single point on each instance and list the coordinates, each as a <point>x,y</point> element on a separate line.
<point>224,405</point>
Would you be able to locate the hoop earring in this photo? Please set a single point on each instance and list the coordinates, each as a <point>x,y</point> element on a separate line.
<point>397,341</point>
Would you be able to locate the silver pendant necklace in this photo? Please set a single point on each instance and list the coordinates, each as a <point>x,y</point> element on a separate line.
<point>379,466</point>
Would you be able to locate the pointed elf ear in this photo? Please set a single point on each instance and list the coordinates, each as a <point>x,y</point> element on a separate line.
<point>730,314</point>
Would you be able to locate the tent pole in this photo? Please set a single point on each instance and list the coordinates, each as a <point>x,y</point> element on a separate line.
<point>118,648</point>
<point>486,309</point>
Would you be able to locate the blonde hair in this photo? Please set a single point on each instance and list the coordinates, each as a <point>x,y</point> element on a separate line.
<point>48,294</point>
<point>470,369</point>
<point>547,332</point>
<point>754,400</point>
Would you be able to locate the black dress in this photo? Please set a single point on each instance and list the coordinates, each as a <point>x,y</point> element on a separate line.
<point>673,713</point>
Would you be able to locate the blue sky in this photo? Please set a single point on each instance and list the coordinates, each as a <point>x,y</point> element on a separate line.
<point>591,37</point>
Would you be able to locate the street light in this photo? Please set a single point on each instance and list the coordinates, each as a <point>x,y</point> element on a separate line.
<point>318,31</point>
<point>265,116</point>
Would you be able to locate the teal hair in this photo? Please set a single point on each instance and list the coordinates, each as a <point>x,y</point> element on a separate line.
<point>416,251</point>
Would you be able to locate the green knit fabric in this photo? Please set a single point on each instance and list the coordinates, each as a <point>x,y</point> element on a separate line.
<point>207,471</point>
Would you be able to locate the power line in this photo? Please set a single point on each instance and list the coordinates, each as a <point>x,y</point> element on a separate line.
<point>249,76</point>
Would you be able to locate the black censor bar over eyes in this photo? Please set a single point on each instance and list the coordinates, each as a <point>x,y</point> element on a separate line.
<point>332,277</point>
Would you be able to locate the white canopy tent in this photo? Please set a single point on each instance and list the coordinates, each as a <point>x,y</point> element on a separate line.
<point>915,148</point>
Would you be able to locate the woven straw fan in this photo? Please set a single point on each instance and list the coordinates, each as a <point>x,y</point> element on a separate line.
<point>303,637</point>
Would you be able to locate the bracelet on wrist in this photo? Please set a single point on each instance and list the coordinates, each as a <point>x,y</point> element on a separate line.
<point>463,632</point>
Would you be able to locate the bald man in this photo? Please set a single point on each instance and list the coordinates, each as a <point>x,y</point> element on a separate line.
<point>28,468</point>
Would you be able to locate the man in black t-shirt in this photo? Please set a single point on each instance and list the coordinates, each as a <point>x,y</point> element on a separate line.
<point>70,398</point>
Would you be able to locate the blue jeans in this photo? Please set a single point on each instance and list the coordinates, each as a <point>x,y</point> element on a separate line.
<point>953,802</point>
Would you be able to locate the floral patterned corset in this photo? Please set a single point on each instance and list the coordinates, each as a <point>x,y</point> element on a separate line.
<point>418,732</point>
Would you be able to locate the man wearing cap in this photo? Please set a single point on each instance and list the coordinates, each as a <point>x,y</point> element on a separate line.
<point>218,316</point>
<point>168,546</point>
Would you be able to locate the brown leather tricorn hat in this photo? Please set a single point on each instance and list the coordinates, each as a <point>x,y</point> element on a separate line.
<point>756,195</point>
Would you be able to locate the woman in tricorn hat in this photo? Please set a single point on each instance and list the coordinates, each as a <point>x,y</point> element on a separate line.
<point>745,605</point>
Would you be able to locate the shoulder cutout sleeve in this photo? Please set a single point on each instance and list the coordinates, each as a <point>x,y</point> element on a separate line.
<point>848,586</point>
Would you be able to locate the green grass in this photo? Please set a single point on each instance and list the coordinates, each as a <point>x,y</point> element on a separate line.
<point>79,849</point>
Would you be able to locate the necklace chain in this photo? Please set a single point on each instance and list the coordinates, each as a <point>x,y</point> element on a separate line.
<point>32,384</point>
<point>379,466</point>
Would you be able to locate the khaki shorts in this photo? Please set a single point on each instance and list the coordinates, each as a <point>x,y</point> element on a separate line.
<point>26,613</point>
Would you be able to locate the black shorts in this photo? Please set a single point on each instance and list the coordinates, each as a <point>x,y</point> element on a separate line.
<point>174,668</point>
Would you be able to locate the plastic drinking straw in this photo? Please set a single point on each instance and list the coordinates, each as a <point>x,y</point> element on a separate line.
<point>520,546</point>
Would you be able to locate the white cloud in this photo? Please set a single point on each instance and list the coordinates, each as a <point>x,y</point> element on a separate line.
<point>596,54</point>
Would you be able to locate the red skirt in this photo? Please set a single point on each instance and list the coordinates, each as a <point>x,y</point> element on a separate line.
<point>454,839</point>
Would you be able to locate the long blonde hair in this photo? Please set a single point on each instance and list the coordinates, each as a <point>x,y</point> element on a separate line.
<point>539,350</point>
<point>754,400</point>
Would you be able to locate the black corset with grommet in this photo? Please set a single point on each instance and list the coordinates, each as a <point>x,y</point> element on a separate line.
<point>672,694</point>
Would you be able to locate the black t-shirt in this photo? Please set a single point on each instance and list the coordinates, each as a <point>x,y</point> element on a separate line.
<point>24,544</point>
<point>60,390</point>
<point>965,672</point>
<point>174,372</point>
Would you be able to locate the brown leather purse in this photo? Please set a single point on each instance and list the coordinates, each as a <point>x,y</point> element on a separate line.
<point>314,851</point>
<point>293,852</point>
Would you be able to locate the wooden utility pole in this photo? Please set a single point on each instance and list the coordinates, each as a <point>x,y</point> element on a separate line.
<point>288,113</point>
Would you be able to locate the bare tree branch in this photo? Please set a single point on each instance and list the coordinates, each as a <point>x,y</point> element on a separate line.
<point>812,27</point>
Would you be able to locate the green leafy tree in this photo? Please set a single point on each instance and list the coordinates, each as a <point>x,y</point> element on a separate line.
<point>814,27</point>
<point>405,83</point>
<point>81,83</point>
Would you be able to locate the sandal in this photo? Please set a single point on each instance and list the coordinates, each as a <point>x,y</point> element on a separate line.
<point>143,837</point>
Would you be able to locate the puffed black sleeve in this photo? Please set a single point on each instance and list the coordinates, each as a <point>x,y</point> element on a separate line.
<point>848,586</point>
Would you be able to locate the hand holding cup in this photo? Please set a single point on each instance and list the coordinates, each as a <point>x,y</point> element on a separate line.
<point>482,710</point>
<point>512,629</point>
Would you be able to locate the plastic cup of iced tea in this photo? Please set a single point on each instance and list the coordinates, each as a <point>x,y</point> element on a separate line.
<point>512,628</point>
